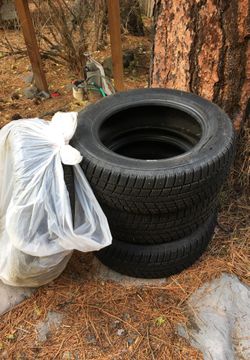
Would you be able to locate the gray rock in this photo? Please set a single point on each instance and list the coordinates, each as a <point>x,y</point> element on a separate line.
<point>44,328</point>
<point>28,79</point>
<point>130,341</point>
<point>43,95</point>
<point>219,319</point>
<point>11,296</point>
<point>91,339</point>
<point>120,332</point>
<point>30,92</point>
<point>103,273</point>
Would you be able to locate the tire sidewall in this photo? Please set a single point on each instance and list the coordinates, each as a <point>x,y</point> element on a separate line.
<point>217,131</point>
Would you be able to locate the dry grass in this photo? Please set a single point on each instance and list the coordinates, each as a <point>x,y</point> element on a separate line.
<point>14,69</point>
<point>241,173</point>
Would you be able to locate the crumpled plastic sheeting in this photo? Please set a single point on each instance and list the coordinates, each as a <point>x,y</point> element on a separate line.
<point>220,319</point>
<point>37,234</point>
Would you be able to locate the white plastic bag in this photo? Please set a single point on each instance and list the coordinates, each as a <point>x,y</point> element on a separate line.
<point>37,234</point>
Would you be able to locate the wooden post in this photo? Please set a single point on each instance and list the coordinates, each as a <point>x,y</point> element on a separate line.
<point>115,39</point>
<point>31,43</point>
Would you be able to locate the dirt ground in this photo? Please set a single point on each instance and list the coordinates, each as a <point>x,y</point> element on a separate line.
<point>102,319</point>
<point>14,70</point>
<point>108,320</point>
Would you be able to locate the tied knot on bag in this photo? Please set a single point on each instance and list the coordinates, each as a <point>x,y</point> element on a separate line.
<point>64,126</point>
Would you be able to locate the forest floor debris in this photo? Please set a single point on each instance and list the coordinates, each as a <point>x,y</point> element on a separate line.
<point>104,319</point>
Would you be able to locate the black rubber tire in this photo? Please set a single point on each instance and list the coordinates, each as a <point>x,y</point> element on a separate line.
<point>163,185</point>
<point>157,229</point>
<point>157,261</point>
<point>70,184</point>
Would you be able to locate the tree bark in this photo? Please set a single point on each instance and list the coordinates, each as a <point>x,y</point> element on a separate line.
<point>203,46</point>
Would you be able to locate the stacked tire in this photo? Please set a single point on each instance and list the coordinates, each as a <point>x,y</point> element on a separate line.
<point>156,160</point>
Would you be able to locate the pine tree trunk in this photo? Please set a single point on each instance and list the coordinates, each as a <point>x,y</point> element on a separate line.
<point>203,46</point>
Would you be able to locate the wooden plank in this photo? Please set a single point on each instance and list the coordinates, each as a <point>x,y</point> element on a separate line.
<point>115,39</point>
<point>152,4</point>
<point>31,43</point>
<point>147,7</point>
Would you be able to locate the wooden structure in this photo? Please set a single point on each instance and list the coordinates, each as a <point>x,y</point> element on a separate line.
<point>148,7</point>
<point>31,43</point>
<point>115,39</point>
<point>33,51</point>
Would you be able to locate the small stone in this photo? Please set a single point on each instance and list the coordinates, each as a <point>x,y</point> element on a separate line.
<point>130,341</point>
<point>43,328</point>
<point>30,92</point>
<point>91,339</point>
<point>28,79</point>
<point>120,332</point>
<point>43,95</point>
